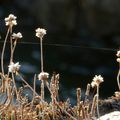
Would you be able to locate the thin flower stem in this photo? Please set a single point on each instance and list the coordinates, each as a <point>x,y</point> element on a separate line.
<point>34,86</point>
<point>93,105</point>
<point>42,90</point>
<point>14,85</point>
<point>78,102</point>
<point>11,46</point>
<point>42,82</point>
<point>15,42</point>
<point>118,75</point>
<point>3,50</point>
<point>98,102</point>
<point>12,50</point>
<point>27,84</point>
<point>47,84</point>
<point>87,92</point>
<point>11,54</point>
<point>41,48</point>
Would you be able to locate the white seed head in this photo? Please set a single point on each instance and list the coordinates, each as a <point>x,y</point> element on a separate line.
<point>11,20</point>
<point>118,60</point>
<point>17,35</point>
<point>40,32</point>
<point>93,84</point>
<point>118,53</point>
<point>97,80</point>
<point>43,76</point>
<point>14,67</point>
<point>117,94</point>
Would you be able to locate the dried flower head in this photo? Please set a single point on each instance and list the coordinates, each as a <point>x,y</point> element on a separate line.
<point>40,32</point>
<point>43,76</point>
<point>17,35</point>
<point>14,67</point>
<point>117,94</point>
<point>11,20</point>
<point>118,53</point>
<point>118,60</point>
<point>97,80</point>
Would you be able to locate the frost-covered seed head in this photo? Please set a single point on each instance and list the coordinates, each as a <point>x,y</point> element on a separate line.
<point>118,60</point>
<point>14,67</point>
<point>40,32</point>
<point>43,76</point>
<point>117,94</point>
<point>118,53</point>
<point>97,80</point>
<point>11,20</point>
<point>17,35</point>
<point>93,84</point>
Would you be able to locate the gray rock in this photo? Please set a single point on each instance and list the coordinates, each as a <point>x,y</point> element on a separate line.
<point>111,116</point>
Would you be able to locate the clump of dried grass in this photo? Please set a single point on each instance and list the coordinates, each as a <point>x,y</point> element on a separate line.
<point>38,108</point>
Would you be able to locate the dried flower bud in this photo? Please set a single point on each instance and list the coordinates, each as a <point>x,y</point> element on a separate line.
<point>40,32</point>
<point>118,60</point>
<point>14,67</point>
<point>97,80</point>
<point>17,35</point>
<point>93,84</point>
<point>117,94</point>
<point>10,20</point>
<point>43,76</point>
<point>118,53</point>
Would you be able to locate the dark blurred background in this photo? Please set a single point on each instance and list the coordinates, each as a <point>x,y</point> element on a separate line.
<point>81,41</point>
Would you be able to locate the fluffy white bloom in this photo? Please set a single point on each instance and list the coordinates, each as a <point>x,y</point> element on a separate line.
<point>11,20</point>
<point>118,53</point>
<point>14,67</point>
<point>17,35</point>
<point>40,32</point>
<point>93,84</point>
<point>43,76</point>
<point>117,94</point>
<point>118,60</point>
<point>97,80</point>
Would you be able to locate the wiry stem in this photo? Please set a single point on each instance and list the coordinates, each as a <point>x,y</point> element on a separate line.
<point>42,81</point>
<point>34,86</point>
<point>87,92</point>
<point>41,47</point>
<point>11,45</point>
<point>98,101</point>
<point>27,84</point>
<point>42,90</point>
<point>118,75</point>
<point>12,50</point>
<point>3,50</point>
<point>14,85</point>
<point>47,84</point>
<point>15,42</point>
<point>93,106</point>
<point>78,102</point>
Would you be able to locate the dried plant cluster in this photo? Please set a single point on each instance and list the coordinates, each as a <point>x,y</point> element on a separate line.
<point>38,108</point>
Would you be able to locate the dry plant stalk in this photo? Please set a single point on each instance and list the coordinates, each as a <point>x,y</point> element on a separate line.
<point>93,108</point>
<point>118,75</point>
<point>78,101</point>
